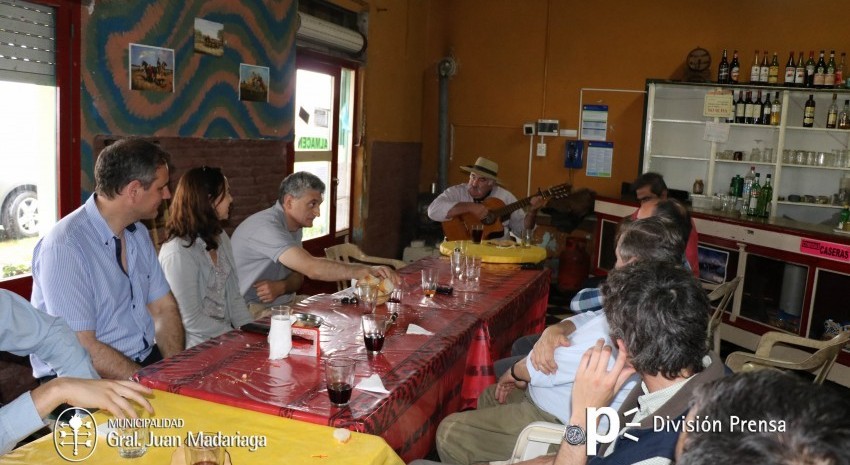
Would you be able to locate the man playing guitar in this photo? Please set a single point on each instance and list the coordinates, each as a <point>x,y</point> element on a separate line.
<point>470,202</point>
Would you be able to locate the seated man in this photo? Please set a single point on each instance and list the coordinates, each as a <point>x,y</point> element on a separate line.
<point>590,301</point>
<point>270,261</point>
<point>464,199</point>
<point>489,432</point>
<point>796,422</point>
<point>25,330</point>
<point>658,314</point>
<point>98,270</point>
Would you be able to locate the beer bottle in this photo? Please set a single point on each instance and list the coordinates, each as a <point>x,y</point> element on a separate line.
<point>820,72</point>
<point>773,71</point>
<point>810,70</point>
<point>776,111</point>
<point>734,68</point>
<point>832,114</point>
<point>790,71</point>
<point>764,70</point>
<point>829,76</point>
<point>723,70</point>
<point>809,112</point>
<point>800,73</point>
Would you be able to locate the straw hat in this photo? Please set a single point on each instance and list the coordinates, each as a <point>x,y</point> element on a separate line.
<point>484,168</point>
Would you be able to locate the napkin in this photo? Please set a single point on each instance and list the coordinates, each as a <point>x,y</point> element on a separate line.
<point>416,329</point>
<point>372,383</point>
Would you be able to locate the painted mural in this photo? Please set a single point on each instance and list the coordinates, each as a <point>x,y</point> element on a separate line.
<point>205,101</point>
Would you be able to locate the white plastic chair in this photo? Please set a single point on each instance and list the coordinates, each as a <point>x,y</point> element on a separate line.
<point>535,439</point>
<point>724,293</point>
<point>350,253</point>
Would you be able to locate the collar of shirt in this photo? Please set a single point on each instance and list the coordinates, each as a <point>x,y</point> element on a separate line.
<point>99,223</point>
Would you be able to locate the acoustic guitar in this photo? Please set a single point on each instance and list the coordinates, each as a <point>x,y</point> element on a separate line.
<point>458,228</point>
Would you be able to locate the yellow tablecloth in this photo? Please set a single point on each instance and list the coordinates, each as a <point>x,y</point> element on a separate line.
<point>490,253</point>
<point>287,441</point>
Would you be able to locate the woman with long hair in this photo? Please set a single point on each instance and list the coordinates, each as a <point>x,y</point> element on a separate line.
<point>197,257</point>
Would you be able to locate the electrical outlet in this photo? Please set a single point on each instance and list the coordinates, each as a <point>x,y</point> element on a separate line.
<point>541,149</point>
<point>528,129</point>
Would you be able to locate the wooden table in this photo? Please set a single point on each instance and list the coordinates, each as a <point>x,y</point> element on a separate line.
<point>428,377</point>
<point>287,441</point>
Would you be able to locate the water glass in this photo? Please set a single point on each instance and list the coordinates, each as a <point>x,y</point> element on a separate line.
<point>201,452</point>
<point>528,238</point>
<point>280,332</point>
<point>368,295</point>
<point>429,282</point>
<point>472,269</point>
<point>132,442</point>
<point>374,329</point>
<point>339,378</point>
<point>457,262</point>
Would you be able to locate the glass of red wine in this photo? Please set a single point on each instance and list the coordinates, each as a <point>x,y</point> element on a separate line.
<point>339,377</point>
<point>477,231</point>
<point>374,327</point>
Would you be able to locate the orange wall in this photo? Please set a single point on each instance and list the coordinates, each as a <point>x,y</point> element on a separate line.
<point>523,60</point>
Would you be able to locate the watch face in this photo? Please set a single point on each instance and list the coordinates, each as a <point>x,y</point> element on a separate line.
<point>574,435</point>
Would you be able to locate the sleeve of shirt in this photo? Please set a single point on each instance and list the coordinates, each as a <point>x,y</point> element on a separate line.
<point>587,300</point>
<point>182,270</point>
<point>18,419</point>
<point>26,330</point>
<point>65,285</point>
<point>439,208</point>
<point>582,318</point>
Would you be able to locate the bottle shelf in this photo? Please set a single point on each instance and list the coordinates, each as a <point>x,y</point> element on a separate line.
<point>679,121</point>
<point>680,157</point>
<point>809,204</point>
<point>801,128</point>
<point>745,162</point>
<point>793,165</point>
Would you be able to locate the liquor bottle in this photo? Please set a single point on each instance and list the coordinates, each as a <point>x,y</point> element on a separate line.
<point>844,218</point>
<point>764,70</point>
<point>844,116</point>
<point>829,77</point>
<point>765,197</point>
<point>832,114</point>
<point>773,71</point>
<point>790,71</point>
<point>757,110</point>
<point>820,72</point>
<point>723,70</point>
<point>766,109</point>
<point>749,109</point>
<point>754,70</point>
<point>776,111</point>
<point>734,68</point>
<point>745,190</point>
<point>810,70</point>
<point>809,112</point>
<point>800,73</point>
<point>839,72</point>
<point>753,198</point>
<point>740,108</point>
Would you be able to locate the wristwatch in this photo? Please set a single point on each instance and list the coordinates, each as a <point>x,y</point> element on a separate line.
<point>574,435</point>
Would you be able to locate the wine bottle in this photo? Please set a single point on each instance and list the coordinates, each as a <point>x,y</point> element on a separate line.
<point>773,70</point>
<point>749,109</point>
<point>790,71</point>
<point>735,68</point>
<point>820,72</point>
<point>764,70</point>
<point>809,112</point>
<point>839,71</point>
<point>832,114</point>
<point>810,70</point>
<point>754,70</point>
<point>766,109</point>
<point>829,77</point>
<point>776,111</point>
<point>764,199</point>
<point>800,73</point>
<point>740,108</point>
<point>844,116</point>
<point>753,199</point>
<point>723,70</point>
<point>757,110</point>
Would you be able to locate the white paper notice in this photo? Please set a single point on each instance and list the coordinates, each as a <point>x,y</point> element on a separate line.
<point>716,132</point>
<point>594,122</point>
<point>599,158</point>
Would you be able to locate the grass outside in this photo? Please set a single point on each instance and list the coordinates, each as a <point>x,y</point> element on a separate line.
<point>16,256</point>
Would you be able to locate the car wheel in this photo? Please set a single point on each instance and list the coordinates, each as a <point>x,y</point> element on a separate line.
<point>22,214</point>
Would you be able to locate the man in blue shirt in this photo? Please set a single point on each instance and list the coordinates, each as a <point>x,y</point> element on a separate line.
<point>98,270</point>
<point>25,330</point>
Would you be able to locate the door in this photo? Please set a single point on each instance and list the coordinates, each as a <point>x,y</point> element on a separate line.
<point>323,145</point>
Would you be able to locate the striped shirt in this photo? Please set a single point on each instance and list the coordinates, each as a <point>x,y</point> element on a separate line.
<point>76,276</point>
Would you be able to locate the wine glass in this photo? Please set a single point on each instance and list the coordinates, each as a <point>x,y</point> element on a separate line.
<point>755,155</point>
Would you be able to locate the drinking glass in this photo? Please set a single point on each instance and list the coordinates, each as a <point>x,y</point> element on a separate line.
<point>280,332</point>
<point>477,231</point>
<point>528,238</point>
<point>339,378</point>
<point>374,328</point>
<point>368,295</point>
<point>132,442</point>
<point>201,452</point>
<point>472,269</point>
<point>429,282</point>
<point>457,261</point>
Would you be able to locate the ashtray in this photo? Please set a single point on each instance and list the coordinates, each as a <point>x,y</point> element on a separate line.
<point>307,320</point>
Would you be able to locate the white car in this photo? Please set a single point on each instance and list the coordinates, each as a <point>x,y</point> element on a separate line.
<point>19,213</point>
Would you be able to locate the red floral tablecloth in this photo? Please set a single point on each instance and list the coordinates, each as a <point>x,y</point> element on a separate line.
<point>428,377</point>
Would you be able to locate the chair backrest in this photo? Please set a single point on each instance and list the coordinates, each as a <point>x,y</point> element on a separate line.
<point>350,253</point>
<point>818,363</point>
<point>723,294</point>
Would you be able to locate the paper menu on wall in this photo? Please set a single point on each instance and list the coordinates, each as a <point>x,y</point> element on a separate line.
<point>716,132</point>
<point>599,159</point>
<point>594,122</point>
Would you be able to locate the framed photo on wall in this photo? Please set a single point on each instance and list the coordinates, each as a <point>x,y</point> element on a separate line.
<point>151,68</point>
<point>253,83</point>
<point>209,37</point>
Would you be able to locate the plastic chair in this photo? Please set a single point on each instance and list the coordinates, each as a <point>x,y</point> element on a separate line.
<point>818,363</point>
<point>350,253</point>
<point>724,293</point>
<point>535,439</point>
